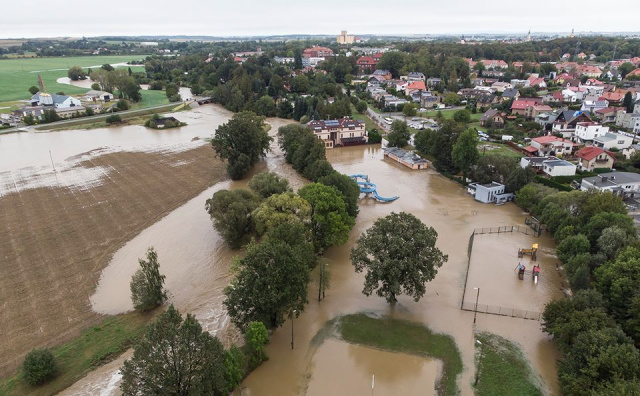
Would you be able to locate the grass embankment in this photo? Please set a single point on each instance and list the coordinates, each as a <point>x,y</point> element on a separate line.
<point>94,347</point>
<point>368,122</point>
<point>407,337</point>
<point>503,370</point>
<point>17,75</point>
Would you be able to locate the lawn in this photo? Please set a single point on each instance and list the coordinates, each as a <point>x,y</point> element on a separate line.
<point>368,122</point>
<point>94,347</point>
<point>498,148</point>
<point>406,337</point>
<point>151,99</point>
<point>17,75</point>
<point>448,113</point>
<point>503,370</point>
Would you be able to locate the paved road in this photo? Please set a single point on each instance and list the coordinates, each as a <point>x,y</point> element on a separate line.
<point>97,117</point>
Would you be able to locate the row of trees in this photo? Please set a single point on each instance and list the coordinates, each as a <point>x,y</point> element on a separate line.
<point>598,329</point>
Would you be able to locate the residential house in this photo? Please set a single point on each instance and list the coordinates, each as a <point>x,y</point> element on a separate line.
<point>535,110</point>
<point>585,132</point>
<point>492,117</point>
<point>618,183</point>
<point>510,93</point>
<point>627,120</point>
<point>593,105</point>
<point>486,101</point>
<point>589,70</point>
<point>611,141</point>
<point>553,97</point>
<point>558,167</point>
<point>631,150</point>
<point>546,119</point>
<point>501,86</point>
<point>545,146</point>
<point>519,106</point>
<point>428,101</point>
<point>591,158</point>
<point>342,132</point>
<point>614,98</point>
<point>608,114</point>
<point>536,163</point>
<point>366,64</point>
<point>414,86</point>
<point>433,82</point>
<point>386,74</point>
<point>536,82</point>
<point>317,52</point>
<point>566,122</point>
<point>518,83</point>
<point>489,192</point>
<point>416,76</point>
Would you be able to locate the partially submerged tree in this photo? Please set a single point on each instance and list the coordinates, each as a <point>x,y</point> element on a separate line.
<point>279,209</point>
<point>400,256</point>
<point>230,211</point>
<point>270,283</point>
<point>266,184</point>
<point>330,222</point>
<point>175,357</point>
<point>348,188</point>
<point>147,285</point>
<point>465,152</point>
<point>242,141</point>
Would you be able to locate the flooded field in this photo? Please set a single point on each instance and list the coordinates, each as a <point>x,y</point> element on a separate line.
<point>197,263</point>
<point>339,368</point>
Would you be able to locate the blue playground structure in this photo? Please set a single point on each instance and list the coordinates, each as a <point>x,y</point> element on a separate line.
<point>367,188</point>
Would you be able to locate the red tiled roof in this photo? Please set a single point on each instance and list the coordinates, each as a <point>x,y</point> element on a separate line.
<point>608,110</point>
<point>551,139</point>
<point>417,85</point>
<point>522,104</point>
<point>530,149</point>
<point>589,153</point>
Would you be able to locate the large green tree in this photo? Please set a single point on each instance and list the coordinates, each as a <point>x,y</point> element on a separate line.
<point>270,283</point>
<point>175,357</point>
<point>399,255</point>
<point>147,284</point>
<point>348,188</point>
<point>230,211</point>
<point>399,135</point>
<point>330,222</point>
<point>281,208</point>
<point>265,184</point>
<point>242,141</point>
<point>465,152</point>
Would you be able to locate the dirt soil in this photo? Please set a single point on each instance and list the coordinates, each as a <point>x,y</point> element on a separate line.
<point>54,242</point>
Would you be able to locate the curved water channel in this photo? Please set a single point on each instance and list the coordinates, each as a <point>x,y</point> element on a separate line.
<point>197,266</point>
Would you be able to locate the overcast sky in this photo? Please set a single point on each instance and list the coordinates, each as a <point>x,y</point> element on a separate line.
<point>40,18</point>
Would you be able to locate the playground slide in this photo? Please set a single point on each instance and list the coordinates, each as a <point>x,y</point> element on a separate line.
<point>366,187</point>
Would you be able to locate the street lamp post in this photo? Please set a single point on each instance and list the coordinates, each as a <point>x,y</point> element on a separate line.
<point>479,362</point>
<point>475,311</point>
<point>292,313</point>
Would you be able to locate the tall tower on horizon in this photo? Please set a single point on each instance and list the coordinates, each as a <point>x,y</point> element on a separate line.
<point>529,35</point>
<point>571,35</point>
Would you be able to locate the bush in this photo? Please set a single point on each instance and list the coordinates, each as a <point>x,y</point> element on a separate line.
<point>123,104</point>
<point>39,366</point>
<point>374,136</point>
<point>89,111</point>
<point>551,183</point>
<point>255,339</point>
<point>95,86</point>
<point>112,119</point>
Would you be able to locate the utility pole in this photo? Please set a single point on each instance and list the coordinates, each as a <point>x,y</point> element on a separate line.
<point>50,156</point>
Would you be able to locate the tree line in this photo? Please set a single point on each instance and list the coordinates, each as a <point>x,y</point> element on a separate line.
<point>598,328</point>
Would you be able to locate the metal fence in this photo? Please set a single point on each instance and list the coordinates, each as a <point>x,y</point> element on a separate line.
<point>466,277</point>
<point>501,311</point>
<point>505,229</point>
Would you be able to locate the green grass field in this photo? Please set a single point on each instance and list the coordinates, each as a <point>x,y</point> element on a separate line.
<point>407,337</point>
<point>17,75</point>
<point>151,99</point>
<point>503,369</point>
<point>497,148</point>
<point>448,113</point>
<point>75,359</point>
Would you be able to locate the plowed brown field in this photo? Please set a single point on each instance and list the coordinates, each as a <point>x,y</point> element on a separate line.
<point>54,242</point>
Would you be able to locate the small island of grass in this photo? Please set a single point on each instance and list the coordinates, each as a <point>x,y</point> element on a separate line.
<point>159,122</point>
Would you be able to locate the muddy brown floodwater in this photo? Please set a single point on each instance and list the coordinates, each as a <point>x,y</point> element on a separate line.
<point>197,266</point>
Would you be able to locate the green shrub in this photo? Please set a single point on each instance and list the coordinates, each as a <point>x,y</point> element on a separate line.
<point>39,366</point>
<point>112,119</point>
<point>255,339</point>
